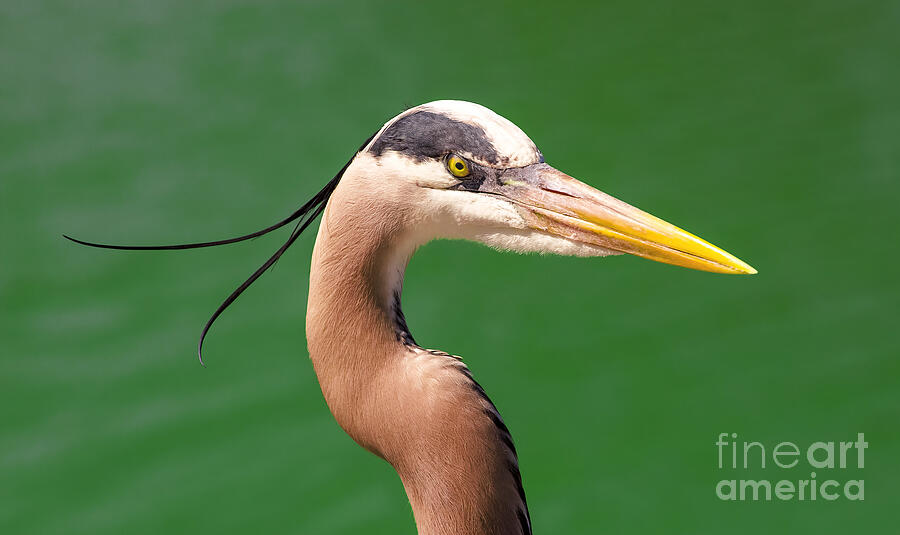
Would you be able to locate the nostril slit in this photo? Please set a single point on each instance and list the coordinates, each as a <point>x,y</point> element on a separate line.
<point>551,190</point>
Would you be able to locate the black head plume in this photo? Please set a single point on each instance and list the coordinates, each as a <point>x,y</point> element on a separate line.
<point>304,216</point>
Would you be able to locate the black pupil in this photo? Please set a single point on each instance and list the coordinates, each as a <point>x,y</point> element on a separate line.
<point>459,165</point>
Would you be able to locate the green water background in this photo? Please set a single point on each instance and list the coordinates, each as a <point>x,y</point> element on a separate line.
<point>769,128</point>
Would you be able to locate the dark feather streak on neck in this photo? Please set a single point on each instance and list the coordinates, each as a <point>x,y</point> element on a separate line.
<point>400,327</point>
<point>505,437</point>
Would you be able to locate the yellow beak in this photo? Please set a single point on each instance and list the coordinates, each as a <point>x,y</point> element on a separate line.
<point>554,202</point>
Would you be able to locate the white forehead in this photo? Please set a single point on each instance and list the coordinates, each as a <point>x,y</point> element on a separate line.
<point>507,138</point>
<point>512,144</point>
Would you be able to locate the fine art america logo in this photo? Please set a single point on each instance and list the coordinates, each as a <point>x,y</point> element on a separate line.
<point>829,458</point>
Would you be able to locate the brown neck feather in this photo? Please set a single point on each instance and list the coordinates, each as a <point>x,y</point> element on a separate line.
<point>419,410</point>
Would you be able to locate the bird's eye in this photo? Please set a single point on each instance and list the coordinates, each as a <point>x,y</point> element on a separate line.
<point>457,166</point>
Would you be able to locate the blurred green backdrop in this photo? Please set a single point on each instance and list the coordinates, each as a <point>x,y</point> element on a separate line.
<point>769,128</point>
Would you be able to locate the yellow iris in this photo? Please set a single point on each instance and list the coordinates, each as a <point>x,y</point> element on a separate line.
<point>457,166</point>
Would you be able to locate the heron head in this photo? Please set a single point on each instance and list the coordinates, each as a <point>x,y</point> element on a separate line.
<point>456,169</point>
<point>452,169</point>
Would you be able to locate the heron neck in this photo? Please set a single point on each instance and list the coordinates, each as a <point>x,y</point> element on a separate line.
<point>420,410</point>
<point>354,327</point>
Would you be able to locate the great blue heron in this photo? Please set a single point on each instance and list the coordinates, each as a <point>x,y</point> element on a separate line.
<point>447,169</point>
